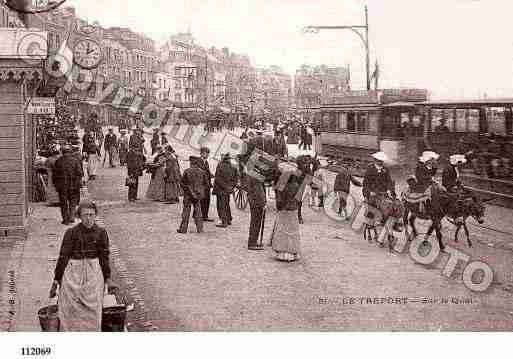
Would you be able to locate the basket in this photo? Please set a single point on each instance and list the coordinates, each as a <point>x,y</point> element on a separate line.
<point>49,319</point>
<point>113,319</point>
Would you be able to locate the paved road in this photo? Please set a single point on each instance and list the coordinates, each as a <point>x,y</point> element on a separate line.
<point>210,281</point>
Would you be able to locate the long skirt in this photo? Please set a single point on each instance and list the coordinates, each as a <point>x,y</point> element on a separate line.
<point>81,296</point>
<point>52,197</point>
<point>172,191</point>
<point>92,164</point>
<point>156,188</point>
<point>285,236</point>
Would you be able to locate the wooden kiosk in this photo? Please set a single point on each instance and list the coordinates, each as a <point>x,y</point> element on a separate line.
<point>22,52</point>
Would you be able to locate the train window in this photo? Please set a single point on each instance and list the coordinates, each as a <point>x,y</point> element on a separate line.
<point>461,121</point>
<point>473,121</point>
<point>333,121</point>
<point>342,120</point>
<point>325,121</point>
<point>509,121</point>
<point>373,122</point>
<point>351,122</point>
<point>496,121</point>
<point>361,123</point>
<point>441,120</point>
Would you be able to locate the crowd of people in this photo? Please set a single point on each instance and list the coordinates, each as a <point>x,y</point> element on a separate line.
<point>82,272</point>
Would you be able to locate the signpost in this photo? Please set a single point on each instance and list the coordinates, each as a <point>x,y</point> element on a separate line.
<point>41,106</point>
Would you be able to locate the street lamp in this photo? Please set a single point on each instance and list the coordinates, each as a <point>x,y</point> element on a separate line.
<point>356,29</point>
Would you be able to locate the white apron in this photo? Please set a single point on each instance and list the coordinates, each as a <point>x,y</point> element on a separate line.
<point>81,296</point>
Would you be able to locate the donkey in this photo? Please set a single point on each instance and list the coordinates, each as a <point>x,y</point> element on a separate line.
<point>455,206</point>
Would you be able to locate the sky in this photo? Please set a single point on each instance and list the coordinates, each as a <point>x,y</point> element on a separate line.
<point>454,48</point>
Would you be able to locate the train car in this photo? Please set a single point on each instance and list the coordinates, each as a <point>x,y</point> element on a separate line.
<point>481,129</point>
<point>360,123</point>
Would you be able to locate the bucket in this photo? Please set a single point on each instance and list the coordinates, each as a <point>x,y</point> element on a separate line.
<point>113,319</point>
<point>49,319</point>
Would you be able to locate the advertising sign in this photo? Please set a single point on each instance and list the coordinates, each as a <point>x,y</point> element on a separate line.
<point>404,95</point>
<point>41,106</point>
<point>355,97</point>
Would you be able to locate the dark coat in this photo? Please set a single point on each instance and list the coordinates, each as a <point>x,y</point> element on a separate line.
<point>195,182</point>
<point>67,173</point>
<point>264,144</point>
<point>280,146</point>
<point>307,138</point>
<point>225,178</point>
<point>135,163</point>
<point>136,143</point>
<point>256,191</point>
<point>203,164</point>
<point>89,145</point>
<point>155,141</point>
<point>343,181</point>
<point>110,141</point>
<point>172,170</point>
<point>449,177</point>
<point>287,200</point>
<point>302,133</point>
<point>424,177</point>
<point>378,182</point>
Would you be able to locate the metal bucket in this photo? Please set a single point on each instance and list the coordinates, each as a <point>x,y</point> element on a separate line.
<point>49,319</point>
<point>113,319</point>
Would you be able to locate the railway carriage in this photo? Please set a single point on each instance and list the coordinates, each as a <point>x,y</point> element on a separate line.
<point>481,129</point>
<point>355,126</point>
<point>403,124</point>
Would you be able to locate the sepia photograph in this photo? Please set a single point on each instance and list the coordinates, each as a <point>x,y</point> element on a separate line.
<point>270,166</point>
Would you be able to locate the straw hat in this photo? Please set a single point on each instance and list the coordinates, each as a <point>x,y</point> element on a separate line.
<point>380,156</point>
<point>455,159</point>
<point>428,155</point>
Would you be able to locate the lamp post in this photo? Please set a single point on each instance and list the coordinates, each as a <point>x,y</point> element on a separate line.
<point>357,30</point>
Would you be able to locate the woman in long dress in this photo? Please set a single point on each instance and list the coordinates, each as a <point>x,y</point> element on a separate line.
<point>52,197</point>
<point>82,272</point>
<point>156,189</point>
<point>173,177</point>
<point>285,236</point>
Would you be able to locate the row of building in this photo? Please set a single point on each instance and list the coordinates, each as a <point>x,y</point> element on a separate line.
<point>184,74</point>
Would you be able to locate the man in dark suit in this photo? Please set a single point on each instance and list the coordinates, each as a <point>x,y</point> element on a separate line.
<point>426,170</point>
<point>257,202</point>
<point>450,174</point>
<point>136,142</point>
<point>67,180</point>
<point>205,201</point>
<point>224,183</point>
<point>194,183</point>
<point>442,127</point>
<point>110,145</point>
<point>135,166</point>
<point>377,179</point>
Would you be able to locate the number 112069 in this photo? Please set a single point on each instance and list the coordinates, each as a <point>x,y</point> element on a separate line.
<point>36,351</point>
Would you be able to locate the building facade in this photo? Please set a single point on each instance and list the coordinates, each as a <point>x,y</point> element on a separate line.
<point>274,91</point>
<point>314,83</point>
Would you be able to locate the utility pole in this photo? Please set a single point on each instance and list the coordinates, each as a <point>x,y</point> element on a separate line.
<point>206,89</point>
<point>357,30</point>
